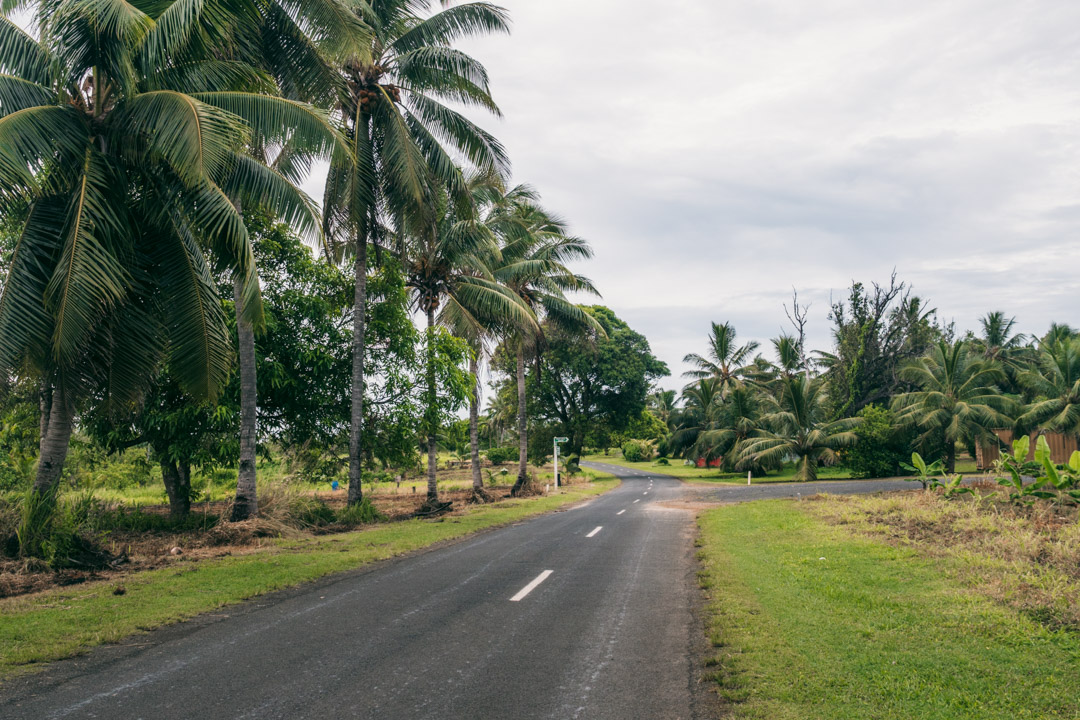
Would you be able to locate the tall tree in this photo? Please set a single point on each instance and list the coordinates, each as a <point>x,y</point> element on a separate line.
<point>588,380</point>
<point>449,259</point>
<point>874,332</point>
<point>956,397</point>
<point>533,264</point>
<point>392,108</point>
<point>725,361</point>
<point>120,145</point>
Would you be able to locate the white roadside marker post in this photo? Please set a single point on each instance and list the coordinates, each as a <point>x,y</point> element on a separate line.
<point>748,474</point>
<point>556,445</point>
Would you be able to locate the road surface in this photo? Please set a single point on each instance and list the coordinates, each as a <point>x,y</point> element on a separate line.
<point>585,613</point>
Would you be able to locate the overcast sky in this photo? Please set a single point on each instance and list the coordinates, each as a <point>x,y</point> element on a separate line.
<point>718,153</point>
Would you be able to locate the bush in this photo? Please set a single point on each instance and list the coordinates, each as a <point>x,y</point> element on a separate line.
<point>880,448</point>
<point>638,450</point>
<point>500,455</point>
<point>362,513</point>
<point>663,461</point>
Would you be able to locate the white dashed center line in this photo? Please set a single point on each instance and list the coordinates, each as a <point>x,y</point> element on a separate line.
<point>621,512</point>
<point>598,529</point>
<point>531,586</point>
<point>638,500</point>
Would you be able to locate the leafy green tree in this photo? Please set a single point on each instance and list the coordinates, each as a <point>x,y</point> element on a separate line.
<point>121,142</point>
<point>882,447</point>
<point>874,333</point>
<point>701,413</point>
<point>392,107</point>
<point>725,361</point>
<point>797,425</point>
<point>587,380</point>
<point>957,397</point>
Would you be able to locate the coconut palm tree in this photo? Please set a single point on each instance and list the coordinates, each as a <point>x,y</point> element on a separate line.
<point>1056,380</point>
<point>798,427</point>
<point>533,265</point>
<point>725,361</point>
<point>448,261</point>
<point>120,148</point>
<point>998,341</point>
<point>701,413</point>
<point>957,397</point>
<point>391,106</point>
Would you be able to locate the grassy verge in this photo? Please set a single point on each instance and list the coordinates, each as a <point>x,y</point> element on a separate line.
<point>61,623</point>
<point>710,476</point>
<point>814,620</point>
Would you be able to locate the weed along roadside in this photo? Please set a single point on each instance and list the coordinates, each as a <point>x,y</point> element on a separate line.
<point>905,605</point>
<point>61,622</point>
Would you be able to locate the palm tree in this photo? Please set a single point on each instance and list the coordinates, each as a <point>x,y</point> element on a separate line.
<point>120,148</point>
<point>663,403</point>
<point>1055,379</point>
<point>739,422</point>
<point>391,106</point>
<point>533,265</point>
<point>798,427</point>
<point>957,397</point>
<point>702,408</point>
<point>448,272</point>
<point>294,46</point>
<point>998,342</point>
<point>725,361</point>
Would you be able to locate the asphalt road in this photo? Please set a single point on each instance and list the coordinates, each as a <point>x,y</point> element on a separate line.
<point>607,633</point>
<point>586,613</point>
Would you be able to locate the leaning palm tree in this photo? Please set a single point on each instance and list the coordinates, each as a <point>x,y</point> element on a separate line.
<point>1055,380</point>
<point>391,106</point>
<point>448,271</point>
<point>533,265</point>
<point>957,397</point>
<point>798,428</point>
<point>120,148</point>
<point>725,361</point>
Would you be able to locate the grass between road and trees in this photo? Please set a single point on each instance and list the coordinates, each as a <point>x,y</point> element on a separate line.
<point>65,621</point>
<point>965,465</point>
<point>902,605</point>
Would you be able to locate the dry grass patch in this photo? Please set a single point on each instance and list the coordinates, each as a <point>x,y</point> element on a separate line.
<point>1025,556</point>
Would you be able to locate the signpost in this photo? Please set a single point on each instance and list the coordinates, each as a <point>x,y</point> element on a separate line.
<point>556,444</point>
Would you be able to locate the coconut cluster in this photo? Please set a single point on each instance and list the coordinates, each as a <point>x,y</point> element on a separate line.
<point>368,98</point>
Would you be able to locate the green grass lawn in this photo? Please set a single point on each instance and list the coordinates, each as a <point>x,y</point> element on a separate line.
<point>63,622</point>
<point>810,620</point>
<point>676,468</point>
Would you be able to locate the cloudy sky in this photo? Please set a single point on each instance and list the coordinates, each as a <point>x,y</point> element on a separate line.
<point>718,153</point>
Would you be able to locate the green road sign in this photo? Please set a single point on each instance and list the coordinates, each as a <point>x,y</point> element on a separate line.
<point>562,439</point>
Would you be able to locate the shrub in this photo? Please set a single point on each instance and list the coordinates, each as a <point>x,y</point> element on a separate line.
<point>500,455</point>
<point>638,450</point>
<point>362,513</point>
<point>879,450</point>
<point>663,461</point>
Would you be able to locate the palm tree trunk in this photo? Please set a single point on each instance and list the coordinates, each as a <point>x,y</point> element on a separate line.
<point>808,471</point>
<point>246,503</point>
<point>177,477</point>
<point>432,457</point>
<point>54,445</point>
<point>44,408</point>
<point>356,420</point>
<point>474,423</point>
<point>950,457</point>
<point>523,437</point>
